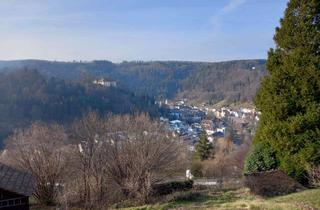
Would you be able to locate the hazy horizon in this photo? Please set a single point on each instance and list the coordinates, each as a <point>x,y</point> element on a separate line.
<point>123,61</point>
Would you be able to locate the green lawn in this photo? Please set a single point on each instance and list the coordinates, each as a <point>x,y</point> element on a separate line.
<point>240,199</point>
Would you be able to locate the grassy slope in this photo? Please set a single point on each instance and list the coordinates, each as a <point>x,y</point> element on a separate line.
<point>241,199</point>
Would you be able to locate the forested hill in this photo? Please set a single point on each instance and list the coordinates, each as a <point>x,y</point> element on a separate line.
<point>231,81</point>
<point>27,96</point>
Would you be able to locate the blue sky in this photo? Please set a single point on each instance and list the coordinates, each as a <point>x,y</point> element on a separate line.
<point>117,30</point>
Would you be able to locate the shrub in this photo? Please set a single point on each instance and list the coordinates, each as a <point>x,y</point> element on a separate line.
<point>187,196</point>
<point>261,158</point>
<point>170,187</point>
<point>271,183</point>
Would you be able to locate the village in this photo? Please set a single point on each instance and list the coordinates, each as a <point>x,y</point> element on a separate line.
<point>160,105</point>
<point>189,121</point>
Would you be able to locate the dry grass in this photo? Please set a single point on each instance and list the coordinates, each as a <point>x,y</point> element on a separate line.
<point>240,199</point>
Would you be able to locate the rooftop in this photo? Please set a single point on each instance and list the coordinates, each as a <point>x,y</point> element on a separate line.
<point>16,181</point>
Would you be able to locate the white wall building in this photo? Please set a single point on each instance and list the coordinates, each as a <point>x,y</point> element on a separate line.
<point>105,83</point>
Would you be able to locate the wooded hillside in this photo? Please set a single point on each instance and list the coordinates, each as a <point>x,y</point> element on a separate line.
<point>27,96</point>
<point>233,81</point>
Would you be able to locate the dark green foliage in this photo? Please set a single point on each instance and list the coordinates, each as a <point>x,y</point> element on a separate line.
<point>204,147</point>
<point>170,187</point>
<point>27,96</point>
<point>232,81</point>
<point>261,158</point>
<point>290,95</point>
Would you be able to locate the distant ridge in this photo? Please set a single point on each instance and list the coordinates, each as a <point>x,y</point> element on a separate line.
<point>211,82</point>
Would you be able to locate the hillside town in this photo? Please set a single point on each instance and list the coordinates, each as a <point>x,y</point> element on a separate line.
<point>189,121</point>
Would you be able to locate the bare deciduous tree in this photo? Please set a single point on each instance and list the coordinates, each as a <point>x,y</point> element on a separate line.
<point>141,154</point>
<point>41,150</point>
<point>134,152</point>
<point>129,154</point>
<point>229,160</point>
<point>90,136</point>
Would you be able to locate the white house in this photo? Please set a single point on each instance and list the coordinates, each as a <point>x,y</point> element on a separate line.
<point>234,113</point>
<point>105,83</point>
<point>247,111</point>
<point>209,132</point>
<point>221,130</point>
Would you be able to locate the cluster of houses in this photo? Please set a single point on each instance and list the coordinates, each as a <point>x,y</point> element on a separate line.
<point>185,121</point>
<point>243,113</point>
<point>189,121</point>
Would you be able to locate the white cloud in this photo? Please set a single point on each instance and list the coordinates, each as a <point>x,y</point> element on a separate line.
<point>233,5</point>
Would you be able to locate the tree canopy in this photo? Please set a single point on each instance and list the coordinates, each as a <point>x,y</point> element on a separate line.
<point>27,96</point>
<point>229,81</point>
<point>204,147</point>
<point>289,97</point>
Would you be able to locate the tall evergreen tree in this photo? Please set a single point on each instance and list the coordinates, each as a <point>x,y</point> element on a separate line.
<point>204,147</point>
<point>289,97</point>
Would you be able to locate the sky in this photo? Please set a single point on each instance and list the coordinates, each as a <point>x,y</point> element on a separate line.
<point>135,30</point>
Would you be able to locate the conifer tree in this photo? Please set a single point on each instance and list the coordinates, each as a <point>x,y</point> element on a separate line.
<point>289,97</point>
<point>204,147</point>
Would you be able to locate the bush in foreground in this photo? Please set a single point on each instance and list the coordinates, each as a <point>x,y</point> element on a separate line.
<point>261,158</point>
<point>170,187</point>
